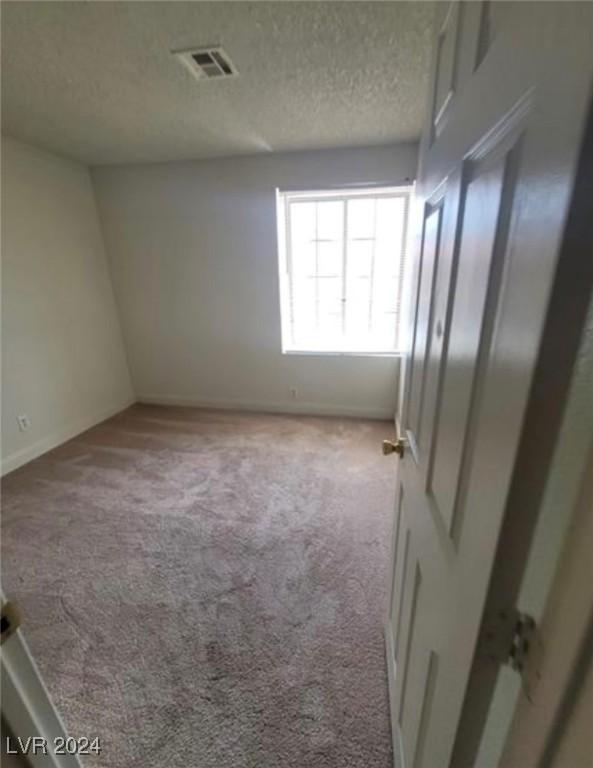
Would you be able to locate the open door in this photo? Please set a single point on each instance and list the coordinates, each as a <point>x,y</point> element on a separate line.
<point>511,84</point>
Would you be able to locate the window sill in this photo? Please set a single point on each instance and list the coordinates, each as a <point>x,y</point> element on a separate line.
<point>339,353</point>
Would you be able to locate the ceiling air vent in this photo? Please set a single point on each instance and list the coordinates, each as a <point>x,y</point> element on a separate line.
<point>207,63</point>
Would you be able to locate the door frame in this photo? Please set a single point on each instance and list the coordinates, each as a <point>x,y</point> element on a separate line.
<point>543,720</point>
<point>27,706</point>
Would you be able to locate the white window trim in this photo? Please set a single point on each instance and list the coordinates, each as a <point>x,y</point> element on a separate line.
<point>283,200</point>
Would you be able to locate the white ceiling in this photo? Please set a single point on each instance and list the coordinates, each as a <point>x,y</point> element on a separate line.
<point>96,80</point>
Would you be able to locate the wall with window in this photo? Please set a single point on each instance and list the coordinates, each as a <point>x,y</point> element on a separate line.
<point>193,249</point>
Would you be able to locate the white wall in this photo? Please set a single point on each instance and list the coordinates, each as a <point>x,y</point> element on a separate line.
<point>63,359</point>
<point>194,262</point>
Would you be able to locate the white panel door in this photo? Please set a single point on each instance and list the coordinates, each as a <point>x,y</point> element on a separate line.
<point>497,168</point>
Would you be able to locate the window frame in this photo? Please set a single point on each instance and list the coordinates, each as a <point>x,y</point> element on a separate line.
<point>340,194</point>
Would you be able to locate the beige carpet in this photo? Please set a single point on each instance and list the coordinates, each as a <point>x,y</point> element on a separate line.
<point>206,589</point>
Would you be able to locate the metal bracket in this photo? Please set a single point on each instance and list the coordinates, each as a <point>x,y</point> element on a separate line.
<point>526,653</point>
<point>512,638</point>
<point>10,620</point>
<point>522,640</point>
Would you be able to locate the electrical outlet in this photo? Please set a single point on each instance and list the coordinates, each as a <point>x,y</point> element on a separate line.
<point>24,422</point>
<point>294,393</point>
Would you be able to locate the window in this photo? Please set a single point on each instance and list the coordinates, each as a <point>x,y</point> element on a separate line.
<point>342,259</point>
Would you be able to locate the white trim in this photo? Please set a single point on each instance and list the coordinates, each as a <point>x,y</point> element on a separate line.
<point>339,193</point>
<point>27,705</point>
<point>264,406</point>
<point>30,452</point>
<point>346,352</point>
<point>341,353</point>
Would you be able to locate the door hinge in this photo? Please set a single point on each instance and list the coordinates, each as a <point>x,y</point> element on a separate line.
<point>526,653</point>
<point>513,639</point>
<point>10,620</point>
<point>522,641</point>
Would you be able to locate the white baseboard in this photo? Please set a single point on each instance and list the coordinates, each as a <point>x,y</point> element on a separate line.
<point>17,459</point>
<point>305,409</point>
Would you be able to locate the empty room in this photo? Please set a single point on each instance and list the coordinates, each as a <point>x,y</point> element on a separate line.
<point>296,387</point>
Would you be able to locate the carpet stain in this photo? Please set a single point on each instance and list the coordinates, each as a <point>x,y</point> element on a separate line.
<point>208,588</point>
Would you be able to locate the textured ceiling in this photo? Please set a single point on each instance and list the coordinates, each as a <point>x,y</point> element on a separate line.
<point>96,80</point>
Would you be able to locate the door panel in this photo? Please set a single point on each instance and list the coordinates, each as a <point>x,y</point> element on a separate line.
<point>400,592</point>
<point>409,704</point>
<point>440,321</point>
<point>407,625</point>
<point>430,680</point>
<point>480,216</point>
<point>445,68</point>
<point>399,557</point>
<point>428,269</point>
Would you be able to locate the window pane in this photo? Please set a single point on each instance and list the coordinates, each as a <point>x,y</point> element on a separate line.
<point>303,309</point>
<point>387,258</point>
<point>330,295</point>
<point>355,310</point>
<point>358,307</point>
<point>304,259</point>
<point>302,221</point>
<point>385,296</point>
<point>361,218</point>
<point>383,332</point>
<point>330,306</point>
<point>360,258</point>
<point>330,223</point>
<point>329,259</point>
<point>390,219</point>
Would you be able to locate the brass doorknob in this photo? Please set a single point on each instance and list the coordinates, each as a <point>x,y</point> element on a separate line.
<point>390,447</point>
